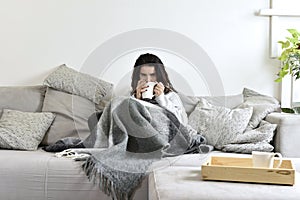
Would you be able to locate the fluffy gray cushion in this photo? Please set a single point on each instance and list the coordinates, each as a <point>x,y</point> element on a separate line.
<point>219,125</point>
<point>264,132</point>
<point>22,98</point>
<point>72,113</point>
<point>71,81</point>
<point>253,140</point>
<point>230,101</point>
<point>248,147</point>
<point>262,106</point>
<point>23,130</point>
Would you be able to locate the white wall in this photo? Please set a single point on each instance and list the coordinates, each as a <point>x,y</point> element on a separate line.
<point>38,35</point>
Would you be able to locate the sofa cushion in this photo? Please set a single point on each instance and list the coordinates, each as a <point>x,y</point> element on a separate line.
<point>257,139</point>
<point>23,98</point>
<point>230,101</point>
<point>23,130</point>
<point>219,125</point>
<point>72,113</point>
<point>264,132</point>
<point>39,175</point>
<point>262,106</point>
<point>248,147</point>
<point>71,81</point>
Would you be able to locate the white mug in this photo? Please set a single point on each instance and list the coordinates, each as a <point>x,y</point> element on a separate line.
<point>265,159</point>
<point>149,93</point>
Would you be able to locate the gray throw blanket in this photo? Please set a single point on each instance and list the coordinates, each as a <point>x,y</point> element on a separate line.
<point>135,136</point>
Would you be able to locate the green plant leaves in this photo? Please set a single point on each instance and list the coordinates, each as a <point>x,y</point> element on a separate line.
<point>284,44</point>
<point>294,32</point>
<point>278,80</point>
<point>294,110</point>
<point>290,56</point>
<point>287,110</point>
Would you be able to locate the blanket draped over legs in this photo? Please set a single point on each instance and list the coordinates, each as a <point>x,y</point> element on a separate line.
<point>135,136</point>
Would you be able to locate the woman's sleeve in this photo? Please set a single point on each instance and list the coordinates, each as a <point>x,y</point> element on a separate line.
<point>173,103</point>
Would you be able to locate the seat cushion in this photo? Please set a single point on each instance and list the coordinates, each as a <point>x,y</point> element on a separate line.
<point>29,175</point>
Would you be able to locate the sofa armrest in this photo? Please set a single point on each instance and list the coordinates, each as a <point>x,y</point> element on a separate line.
<point>287,136</point>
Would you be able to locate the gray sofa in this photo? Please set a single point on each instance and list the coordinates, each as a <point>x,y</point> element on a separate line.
<point>287,136</point>
<point>36,174</point>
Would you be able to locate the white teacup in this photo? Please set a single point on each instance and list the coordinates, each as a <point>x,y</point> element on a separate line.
<point>265,159</point>
<point>149,93</point>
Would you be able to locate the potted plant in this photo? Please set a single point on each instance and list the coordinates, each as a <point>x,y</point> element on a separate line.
<point>290,56</point>
<point>290,60</point>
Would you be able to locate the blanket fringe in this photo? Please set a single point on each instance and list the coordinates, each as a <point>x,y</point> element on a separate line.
<point>105,185</point>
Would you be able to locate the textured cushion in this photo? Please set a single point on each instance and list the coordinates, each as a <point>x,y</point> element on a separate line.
<point>72,113</point>
<point>253,140</point>
<point>248,147</point>
<point>230,101</point>
<point>264,132</point>
<point>74,82</point>
<point>23,130</point>
<point>218,124</point>
<point>262,106</point>
<point>26,98</point>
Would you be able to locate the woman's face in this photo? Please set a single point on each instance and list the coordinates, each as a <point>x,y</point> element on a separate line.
<point>148,74</point>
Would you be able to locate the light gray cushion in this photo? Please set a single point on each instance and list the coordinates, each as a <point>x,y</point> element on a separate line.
<point>248,147</point>
<point>230,101</point>
<point>262,106</point>
<point>264,132</point>
<point>22,98</point>
<point>72,113</point>
<point>253,140</point>
<point>219,125</point>
<point>23,130</point>
<point>71,81</point>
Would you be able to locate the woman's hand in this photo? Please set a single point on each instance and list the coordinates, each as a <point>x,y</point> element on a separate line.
<point>159,89</point>
<point>140,88</point>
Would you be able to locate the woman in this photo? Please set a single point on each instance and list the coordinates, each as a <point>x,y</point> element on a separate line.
<point>149,68</point>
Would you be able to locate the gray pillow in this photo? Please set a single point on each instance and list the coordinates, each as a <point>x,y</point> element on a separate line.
<point>23,130</point>
<point>219,125</point>
<point>253,140</point>
<point>72,113</point>
<point>71,81</point>
<point>22,98</point>
<point>264,132</point>
<point>248,147</point>
<point>262,106</point>
<point>230,101</point>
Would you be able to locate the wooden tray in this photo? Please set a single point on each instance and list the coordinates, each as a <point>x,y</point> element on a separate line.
<point>241,170</point>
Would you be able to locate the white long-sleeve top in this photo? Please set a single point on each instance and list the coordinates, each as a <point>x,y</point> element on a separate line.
<point>172,102</point>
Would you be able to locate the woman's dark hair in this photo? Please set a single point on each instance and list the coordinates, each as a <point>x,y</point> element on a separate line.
<point>160,71</point>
